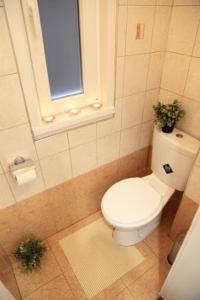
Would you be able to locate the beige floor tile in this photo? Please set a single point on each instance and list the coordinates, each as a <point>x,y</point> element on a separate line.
<point>108,293</point>
<point>57,289</point>
<point>7,277</point>
<point>11,230</point>
<point>148,286</point>
<point>159,241</point>
<point>56,279</point>
<point>111,292</point>
<point>29,282</point>
<point>150,260</point>
<point>124,295</point>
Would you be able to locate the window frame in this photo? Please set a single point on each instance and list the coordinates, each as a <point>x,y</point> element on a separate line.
<point>24,23</point>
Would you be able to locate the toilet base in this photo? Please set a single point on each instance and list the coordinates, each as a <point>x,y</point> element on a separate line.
<point>132,236</point>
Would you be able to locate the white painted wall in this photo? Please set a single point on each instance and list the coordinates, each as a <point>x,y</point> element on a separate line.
<point>4,293</point>
<point>183,281</point>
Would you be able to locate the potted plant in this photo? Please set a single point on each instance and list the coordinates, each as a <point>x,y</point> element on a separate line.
<point>30,253</point>
<point>166,115</point>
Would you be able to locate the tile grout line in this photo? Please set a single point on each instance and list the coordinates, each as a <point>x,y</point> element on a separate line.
<point>62,272</point>
<point>166,46</point>
<point>190,62</point>
<point>148,72</point>
<point>123,81</point>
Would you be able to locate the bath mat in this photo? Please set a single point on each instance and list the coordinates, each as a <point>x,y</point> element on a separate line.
<point>96,259</point>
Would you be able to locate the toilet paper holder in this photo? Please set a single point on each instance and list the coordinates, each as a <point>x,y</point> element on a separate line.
<point>21,165</point>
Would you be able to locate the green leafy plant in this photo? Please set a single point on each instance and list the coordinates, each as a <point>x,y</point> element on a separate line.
<point>166,115</point>
<point>30,253</point>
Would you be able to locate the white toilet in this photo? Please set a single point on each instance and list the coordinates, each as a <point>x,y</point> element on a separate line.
<point>134,206</point>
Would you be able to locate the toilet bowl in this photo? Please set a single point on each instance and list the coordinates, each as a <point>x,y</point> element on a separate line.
<point>134,206</point>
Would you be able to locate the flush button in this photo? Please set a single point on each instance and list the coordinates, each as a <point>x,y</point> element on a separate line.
<point>167,168</point>
<point>179,135</point>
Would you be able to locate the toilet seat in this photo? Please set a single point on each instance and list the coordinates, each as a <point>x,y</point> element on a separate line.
<point>131,203</point>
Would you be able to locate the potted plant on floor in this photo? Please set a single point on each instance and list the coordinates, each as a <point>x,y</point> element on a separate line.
<point>166,115</point>
<point>30,253</point>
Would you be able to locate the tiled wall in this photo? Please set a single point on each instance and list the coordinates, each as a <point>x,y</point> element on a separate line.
<point>181,75</point>
<point>181,80</point>
<point>193,189</point>
<point>69,154</point>
<point>181,72</point>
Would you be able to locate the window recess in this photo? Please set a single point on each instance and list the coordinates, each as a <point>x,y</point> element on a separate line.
<point>68,49</point>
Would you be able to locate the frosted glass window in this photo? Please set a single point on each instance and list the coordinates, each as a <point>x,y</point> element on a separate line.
<point>61,35</point>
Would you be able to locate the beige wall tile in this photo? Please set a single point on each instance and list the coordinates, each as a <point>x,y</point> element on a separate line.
<point>167,97</point>
<point>186,2</point>
<point>183,28</point>
<point>155,70</point>
<point>164,2</point>
<point>119,84</point>
<point>192,89</point>
<point>193,189</point>
<point>12,108</point>
<point>7,65</point>
<point>136,68</point>
<point>139,15</point>
<point>122,2</point>
<point>175,72</point>
<point>1,170</point>
<point>132,110</point>
<point>84,158</point>
<point>6,197</point>
<point>27,190</point>
<point>161,27</point>
<point>52,145</point>
<point>133,164</point>
<point>190,122</point>
<point>108,148</point>
<point>82,135</point>
<point>112,125</point>
<point>56,169</point>
<point>197,162</point>
<point>15,142</point>
<point>130,140</point>
<point>142,2</point>
<point>196,51</point>
<point>151,98</point>
<point>121,30</point>
<point>146,134</point>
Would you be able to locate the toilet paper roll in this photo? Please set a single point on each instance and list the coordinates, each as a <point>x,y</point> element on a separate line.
<point>26,177</point>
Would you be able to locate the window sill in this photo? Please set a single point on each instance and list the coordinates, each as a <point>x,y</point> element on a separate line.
<point>65,121</point>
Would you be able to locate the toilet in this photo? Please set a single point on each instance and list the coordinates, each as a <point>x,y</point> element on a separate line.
<point>134,206</point>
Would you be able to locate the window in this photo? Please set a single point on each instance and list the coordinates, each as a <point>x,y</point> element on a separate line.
<point>61,36</point>
<point>66,56</point>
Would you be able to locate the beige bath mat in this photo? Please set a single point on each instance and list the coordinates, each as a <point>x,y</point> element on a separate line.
<point>96,259</point>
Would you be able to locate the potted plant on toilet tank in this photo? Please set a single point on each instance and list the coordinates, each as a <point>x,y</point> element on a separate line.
<point>166,115</point>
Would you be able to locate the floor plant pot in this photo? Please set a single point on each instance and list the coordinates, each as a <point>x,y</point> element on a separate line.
<point>168,129</point>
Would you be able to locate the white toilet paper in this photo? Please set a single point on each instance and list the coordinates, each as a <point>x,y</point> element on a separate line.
<point>26,177</point>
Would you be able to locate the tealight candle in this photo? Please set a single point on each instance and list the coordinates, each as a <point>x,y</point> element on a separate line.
<point>48,119</point>
<point>96,105</point>
<point>74,111</point>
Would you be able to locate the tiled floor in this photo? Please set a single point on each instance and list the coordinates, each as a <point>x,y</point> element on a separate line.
<point>56,279</point>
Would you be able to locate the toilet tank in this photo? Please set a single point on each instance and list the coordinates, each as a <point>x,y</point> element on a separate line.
<point>173,155</point>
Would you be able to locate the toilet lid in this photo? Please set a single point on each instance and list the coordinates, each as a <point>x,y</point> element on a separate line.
<point>131,201</point>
